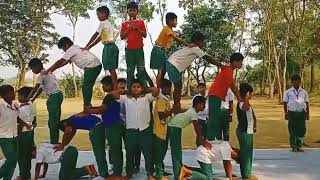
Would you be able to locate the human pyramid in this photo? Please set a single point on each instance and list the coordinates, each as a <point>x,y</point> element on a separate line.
<point>126,113</point>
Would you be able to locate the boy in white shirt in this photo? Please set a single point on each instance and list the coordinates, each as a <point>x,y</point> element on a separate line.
<point>296,109</point>
<point>226,115</point>
<point>106,33</point>
<point>84,60</point>
<point>8,131</point>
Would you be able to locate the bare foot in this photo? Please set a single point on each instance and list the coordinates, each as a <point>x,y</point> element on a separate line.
<point>182,174</point>
<point>293,149</point>
<point>93,170</point>
<point>300,150</point>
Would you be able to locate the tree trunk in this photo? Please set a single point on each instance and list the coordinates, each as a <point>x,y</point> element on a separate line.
<point>72,64</point>
<point>312,76</point>
<point>188,82</point>
<point>22,75</point>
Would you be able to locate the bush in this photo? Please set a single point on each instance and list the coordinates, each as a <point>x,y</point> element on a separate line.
<point>66,84</point>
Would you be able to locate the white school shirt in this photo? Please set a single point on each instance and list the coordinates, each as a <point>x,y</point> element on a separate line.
<point>48,83</point>
<point>46,153</point>
<point>229,97</point>
<point>182,58</point>
<point>203,115</point>
<point>296,99</point>
<point>8,119</point>
<point>137,111</point>
<point>220,150</point>
<point>26,114</point>
<point>81,58</point>
<point>106,31</point>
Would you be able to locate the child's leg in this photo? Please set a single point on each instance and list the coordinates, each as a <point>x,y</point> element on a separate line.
<point>175,77</point>
<point>9,150</point>
<point>145,141</point>
<point>176,150</point>
<point>141,70</point>
<point>300,129</point>
<point>205,173</point>
<point>292,139</point>
<point>225,124</point>
<point>131,64</point>
<point>177,94</point>
<point>25,144</point>
<point>246,148</point>
<point>54,110</point>
<point>228,168</point>
<point>110,59</point>
<point>160,148</point>
<point>89,79</point>
<point>214,122</point>
<point>137,158</point>
<point>131,143</point>
<point>203,128</point>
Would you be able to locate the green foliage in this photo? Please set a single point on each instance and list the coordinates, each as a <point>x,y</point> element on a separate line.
<point>66,83</point>
<point>1,81</point>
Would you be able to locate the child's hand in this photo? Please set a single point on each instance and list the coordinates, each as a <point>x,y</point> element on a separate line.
<point>134,27</point>
<point>206,144</point>
<point>254,129</point>
<point>286,116</point>
<point>58,147</point>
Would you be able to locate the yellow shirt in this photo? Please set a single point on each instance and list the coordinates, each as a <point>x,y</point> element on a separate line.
<point>164,39</point>
<point>162,105</point>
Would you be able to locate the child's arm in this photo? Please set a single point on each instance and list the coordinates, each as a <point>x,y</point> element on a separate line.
<point>34,91</point>
<point>154,91</point>
<point>37,95</point>
<point>116,94</point>
<point>68,134</point>
<point>308,114</point>
<point>124,32</point>
<point>142,32</point>
<point>96,110</point>
<point>58,64</point>
<point>254,122</point>
<point>202,140</point>
<point>22,123</point>
<point>211,60</point>
<point>45,170</point>
<point>179,40</point>
<point>96,41</point>
<point>234,89</point>
<point>93,38</point>
<point>285,108</point>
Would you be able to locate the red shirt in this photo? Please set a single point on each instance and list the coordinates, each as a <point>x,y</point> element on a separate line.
<point>222,83</point>
<point>134,38</point>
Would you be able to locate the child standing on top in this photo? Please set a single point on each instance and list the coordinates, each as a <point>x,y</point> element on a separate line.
<point>133,31</point>
<point>106,34</point>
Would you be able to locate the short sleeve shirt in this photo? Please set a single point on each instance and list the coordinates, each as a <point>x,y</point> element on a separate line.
<point>296,99</point>
<point>183,58</point>
<point>162,105</point>
<point>48,83</point>
<point>106,31</point>
<point>164,38</point>
<point>46,154</point>
<point>26,114</point>
<point>229,97</point>
<point>182,120</point>
<point>8,119</point>
<point>222,83</point>
<point>81,58</point>
<point>220,150</point>
<point>134,38</point>
<point>112,114</point>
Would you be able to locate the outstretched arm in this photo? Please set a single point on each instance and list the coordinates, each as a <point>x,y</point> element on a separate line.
<point>58,64</point>
<point>211,60</point>
<point>202,140</point>
<point>96,110</point>
<point>153,90</point>
<point>93,38</point>
<point>68,134</point>
<point>179,40</point>
<point>116,94</point>
<point>34,91</point>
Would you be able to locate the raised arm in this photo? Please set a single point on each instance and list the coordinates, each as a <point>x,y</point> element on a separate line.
<point>211,60</point>
<point>93,38</point>
<point>202,140</point>
<point>155,91</point>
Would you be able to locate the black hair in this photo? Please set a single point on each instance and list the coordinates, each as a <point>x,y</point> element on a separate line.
<point>201,84</point>
<point>165,83</point>
<point>236,57</point>
<point>64,41</point>
<point>132,5</point>
<point>5,89</point>
<point>295,77</point>
<point>122,80</point>
<point>198,100</point>
<point>197,37</point>
<point>170,16</point>
<point>104,9</point>
<point>245,88</point>
<point>35,62</point>
<point>64,123</point>
<point>25,91</point>
<point>136,81</point>
<point>107,80</point>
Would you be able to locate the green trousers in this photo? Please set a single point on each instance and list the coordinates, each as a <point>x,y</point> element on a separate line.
<point>176,149</point>
<point>225,118</point>
<point>214,124</point>
<point>160,148</point>
<point>114,135</point>
<point>68,168</point>
<point>205,173</point>
<point>137,158</point>
<point>9,150</point>
<point>203,128</point>
<point>135,60</point>
<point>297,128</point>
<point>246,151</point>
<point>54,109</point>
<point>98,142</point>
<point>25,144</point>
<point>135,138</point>
<point>89,79</point>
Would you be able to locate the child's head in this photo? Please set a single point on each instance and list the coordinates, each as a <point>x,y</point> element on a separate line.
<point>132,9</point>
<point>136,87</point>
<point>236,60</point>
<point>201,88</point>
<point>166,86</point>
<point>35,65</point>
<point>122,83</point>
<point>23,94</point>
<point>106,83</point>
<point>171,19</point>
<point>7,93</point>
<point>64,43</point>
<point>64,124</point>
<point>296,81</point>
<point>103,13</point>
<point>198,38</point>
<point>246,90</point>
<point>199,103</point>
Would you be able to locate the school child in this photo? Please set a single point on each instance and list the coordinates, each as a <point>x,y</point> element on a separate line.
<point>202,115</point>
<point>218,92</point>
<point>84,60</point>
<point>8,131</point>
<point>247,126</point>
<point>296,109</point>
<point>25,133</point>
<point>162,114</point>
<point>46,154</point>
<point>48,83</point>
<point>177,123</point>
<point>159,53</point>
<point>138,130</point>
<point>226,114</point>
<point>181,60</point>
<point>134,31</point>
<point>106,33</point>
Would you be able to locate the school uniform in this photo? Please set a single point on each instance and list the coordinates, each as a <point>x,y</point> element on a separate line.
<point>50,86</point>
<point>8,140</point>
<point>160,140</point>
<point>138,130</point>
<point>297,107</point>
<point>90,64</point>
<point>217,94</point>
<point>202,119</point>
<point>181,60</point>
<point>67,157</point>
<point>134,51</point>
<point>176,124</point>
<point>245,137</point>
<point>25,140</point>
<point>225,115</point>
